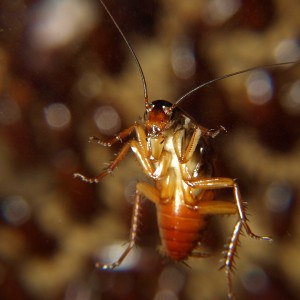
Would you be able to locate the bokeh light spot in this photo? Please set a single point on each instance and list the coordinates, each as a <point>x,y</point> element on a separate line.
<point>287,50</point>
<point>291,100</point>
<point>217,12</point>
<point>183,59</point>
<point>259,87</point>
<point>255,280</point>
<point>107,119</point>
<point>278,197</point>
<point>57,115</point>
<point>15,210</point>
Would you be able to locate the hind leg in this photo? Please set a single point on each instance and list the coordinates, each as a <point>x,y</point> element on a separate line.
<point>135,223</point>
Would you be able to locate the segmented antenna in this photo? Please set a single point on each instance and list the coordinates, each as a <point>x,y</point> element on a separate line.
<point>146,98</point>
<point>133,54</point>
<point>226,76</point>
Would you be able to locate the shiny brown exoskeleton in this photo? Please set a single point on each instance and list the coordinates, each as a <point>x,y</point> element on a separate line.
<point>174,151</point>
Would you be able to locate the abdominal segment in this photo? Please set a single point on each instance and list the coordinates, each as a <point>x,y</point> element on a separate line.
<point>180,229</point>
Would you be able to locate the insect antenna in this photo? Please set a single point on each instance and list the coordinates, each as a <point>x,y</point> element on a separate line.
<point>226,76</point>
<point>147,105</point>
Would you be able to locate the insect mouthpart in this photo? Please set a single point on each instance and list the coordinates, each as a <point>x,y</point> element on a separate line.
<point>159,117</point>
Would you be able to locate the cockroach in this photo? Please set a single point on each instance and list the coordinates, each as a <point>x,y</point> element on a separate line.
<point>174,151</point>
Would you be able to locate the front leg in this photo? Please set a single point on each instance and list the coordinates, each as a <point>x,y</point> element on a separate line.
<point>139,152</point>
<point>117,138</point>
<point>214,132</point>
<point>108,170</point>
<point>139,131</point>
<point>147,164</point>
<point>184,155</point>
<point>139,147</point>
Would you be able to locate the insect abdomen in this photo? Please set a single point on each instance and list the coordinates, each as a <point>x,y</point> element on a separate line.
<point>180,229</point>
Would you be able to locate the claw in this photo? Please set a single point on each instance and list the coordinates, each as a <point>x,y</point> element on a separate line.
<point>85,179</point>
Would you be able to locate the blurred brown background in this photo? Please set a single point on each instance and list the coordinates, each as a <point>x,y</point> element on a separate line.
<point>66,74</point>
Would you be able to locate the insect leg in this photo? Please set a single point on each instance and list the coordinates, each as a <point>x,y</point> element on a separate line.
<point>149,191</point>
<point>220,183</point>
<point>135,223</point>
<point>167,186</point>
<point>142,158</point>
<point>117,138</point>
<point>109,169</point>
<point>140,133</point>
<point>140,147</point>
<point>214,132</point>
<point>147,164</point>
<point>185,154</point>
<point>138,151</point>
<point>243,216</point>
<point>223,207</point>
<point>230,255</point>
<point>215,207</point>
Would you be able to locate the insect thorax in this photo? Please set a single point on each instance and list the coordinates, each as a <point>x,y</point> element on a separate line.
<point>168,146</point>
